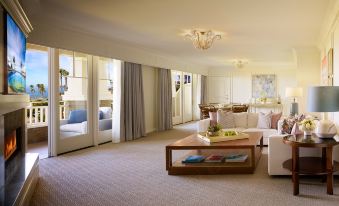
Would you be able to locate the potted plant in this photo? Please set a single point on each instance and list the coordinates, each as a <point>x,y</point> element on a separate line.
<point>214,130</point>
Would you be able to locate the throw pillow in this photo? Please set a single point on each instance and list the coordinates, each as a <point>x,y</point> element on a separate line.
<point>274,120</point>
<point>77,116</point>
<point>107,112</point>
<point>252,120</point>
<point>213,118</point>
<point>264,120</point>
<point>296,130</point>
<point>240,120</point>
<point>225,119</point>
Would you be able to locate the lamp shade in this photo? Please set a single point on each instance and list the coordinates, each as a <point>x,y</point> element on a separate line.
<point>323,99</point>
<point>294,92</point>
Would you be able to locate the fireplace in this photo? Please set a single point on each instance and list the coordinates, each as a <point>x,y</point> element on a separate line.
<point>10,144</point>
<point>18,169</point>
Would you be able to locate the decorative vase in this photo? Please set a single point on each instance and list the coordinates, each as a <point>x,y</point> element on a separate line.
<point>307,132</point>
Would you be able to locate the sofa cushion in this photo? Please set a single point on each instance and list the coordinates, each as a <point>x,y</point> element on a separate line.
<point>274,120</point>
<point>266,132</point>
<point>240,119</point>
<point>77,116</point>
<point>225,119</point>
<point>252,120</point>
<point>107,112</point>
<point>264,120</point>
<point>76,127</point>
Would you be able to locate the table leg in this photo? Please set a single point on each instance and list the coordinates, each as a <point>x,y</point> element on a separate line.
<point>295,169</point>
<point>261,143</point>
<point>168,158</point>
<point>323,159</point>
<point>329,168</point>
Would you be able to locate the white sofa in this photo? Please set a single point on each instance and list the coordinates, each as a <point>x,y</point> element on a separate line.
<point>74,129</point>
<point>247,124</point>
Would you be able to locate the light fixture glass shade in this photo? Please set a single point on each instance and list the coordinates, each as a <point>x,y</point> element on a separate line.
<point>203,39</point>
<point>323,99</point>
<point>294,92</point>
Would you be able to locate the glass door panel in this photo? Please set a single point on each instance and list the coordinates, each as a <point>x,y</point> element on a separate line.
<point>105,96</point>
<point>177,80</point>
<point>187,98</point>
<point>75,113</point>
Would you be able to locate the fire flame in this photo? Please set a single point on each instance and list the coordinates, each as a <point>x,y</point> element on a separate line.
<point>10,145</point>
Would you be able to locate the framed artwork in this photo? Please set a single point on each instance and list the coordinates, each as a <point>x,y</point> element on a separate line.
<point>15,71</point>
<point>264,85</point>
<point>327,69</point>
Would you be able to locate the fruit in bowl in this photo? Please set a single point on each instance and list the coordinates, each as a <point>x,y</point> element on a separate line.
<point>230,133</point>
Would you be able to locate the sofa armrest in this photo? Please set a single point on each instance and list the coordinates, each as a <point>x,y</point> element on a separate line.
<point>63,121</point>
<point>105,124</point>
<point>202,125</point>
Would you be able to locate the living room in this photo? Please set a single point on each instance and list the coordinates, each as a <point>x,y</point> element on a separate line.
<point>115,93</point>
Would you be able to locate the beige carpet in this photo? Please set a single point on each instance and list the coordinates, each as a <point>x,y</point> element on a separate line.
<point>134,173</point>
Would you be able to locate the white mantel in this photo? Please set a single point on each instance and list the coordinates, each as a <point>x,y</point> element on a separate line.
<point>9,103</point>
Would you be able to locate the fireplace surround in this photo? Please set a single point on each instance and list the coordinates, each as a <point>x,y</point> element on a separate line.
<point>19,170</point>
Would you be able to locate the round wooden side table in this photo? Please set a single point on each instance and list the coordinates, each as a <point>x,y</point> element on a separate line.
<point>323,165</point>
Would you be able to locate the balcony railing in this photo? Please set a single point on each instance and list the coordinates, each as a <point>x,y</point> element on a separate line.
<point>37,116</point>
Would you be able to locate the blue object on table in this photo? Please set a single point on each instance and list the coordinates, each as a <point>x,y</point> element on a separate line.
<point>194,159</point>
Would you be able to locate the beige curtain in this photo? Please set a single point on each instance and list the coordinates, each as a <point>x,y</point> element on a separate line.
<point>164,100</point>
<point>203,96</point>
<point>132,110</point>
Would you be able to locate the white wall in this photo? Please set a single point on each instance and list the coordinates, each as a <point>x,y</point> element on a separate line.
<point>149,97</point>
<point>330,39</point>
<point>238,84</point>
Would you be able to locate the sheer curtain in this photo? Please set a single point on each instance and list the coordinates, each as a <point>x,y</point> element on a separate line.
<point>164,99</point>
<point>128,98</point>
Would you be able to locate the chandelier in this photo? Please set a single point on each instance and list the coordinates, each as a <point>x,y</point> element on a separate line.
<point>203,39</point>
<point>240,63</point>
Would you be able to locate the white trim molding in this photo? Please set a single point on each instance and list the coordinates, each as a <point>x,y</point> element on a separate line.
<point>14,8</point>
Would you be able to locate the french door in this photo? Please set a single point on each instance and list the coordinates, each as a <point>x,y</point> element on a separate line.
<point>71,108</point>
<point>182,110</point>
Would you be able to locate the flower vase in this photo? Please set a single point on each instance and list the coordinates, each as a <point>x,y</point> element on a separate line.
<point>307,132</point>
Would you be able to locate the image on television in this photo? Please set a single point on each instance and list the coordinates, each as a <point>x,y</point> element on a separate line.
<point>16,54</point>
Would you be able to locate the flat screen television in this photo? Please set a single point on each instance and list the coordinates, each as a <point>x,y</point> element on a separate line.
<point>15,50</point>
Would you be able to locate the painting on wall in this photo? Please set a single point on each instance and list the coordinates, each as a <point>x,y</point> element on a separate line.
<point>264,85</point>
<point>327,69</point>
<point>16,54</point>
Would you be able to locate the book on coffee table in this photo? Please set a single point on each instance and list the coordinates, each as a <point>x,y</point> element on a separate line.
<point>215,158</point>
<point>236,158</point>
<point>194,159</point>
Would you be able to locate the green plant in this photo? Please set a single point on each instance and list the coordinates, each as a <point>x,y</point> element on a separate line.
<point>214,128</point>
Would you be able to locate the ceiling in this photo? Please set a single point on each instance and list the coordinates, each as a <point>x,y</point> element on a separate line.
<point>262,31</point>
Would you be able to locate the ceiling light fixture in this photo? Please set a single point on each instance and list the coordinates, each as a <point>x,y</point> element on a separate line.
<point>240,63</point>
<point>202,39</point>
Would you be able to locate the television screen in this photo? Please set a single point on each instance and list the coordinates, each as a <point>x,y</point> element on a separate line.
<point>16,54</point>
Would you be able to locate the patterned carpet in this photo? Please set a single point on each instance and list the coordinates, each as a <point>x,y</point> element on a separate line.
<point>133,173</point>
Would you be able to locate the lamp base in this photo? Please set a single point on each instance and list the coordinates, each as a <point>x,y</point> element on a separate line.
<point>326,129</point>
<point>294,108</point>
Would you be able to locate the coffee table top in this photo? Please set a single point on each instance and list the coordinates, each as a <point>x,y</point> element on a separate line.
<point>194,142</point>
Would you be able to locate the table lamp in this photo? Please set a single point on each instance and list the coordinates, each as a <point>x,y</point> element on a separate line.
<point>294,92</point>
<point>324,99</point>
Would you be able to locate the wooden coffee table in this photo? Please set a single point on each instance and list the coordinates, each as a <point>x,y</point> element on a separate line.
<point>197,146</point>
